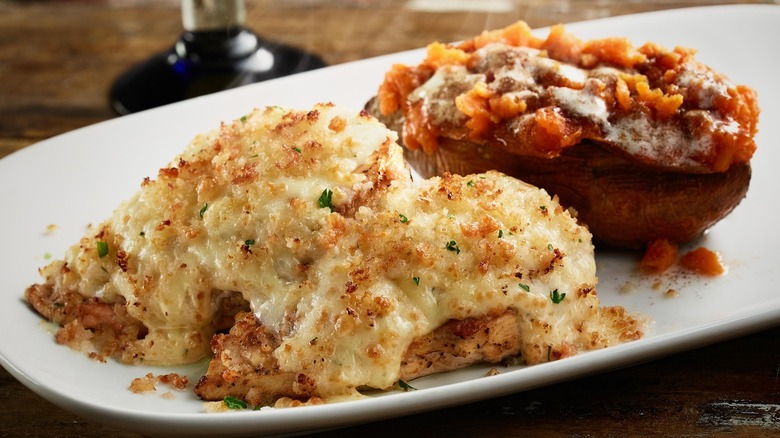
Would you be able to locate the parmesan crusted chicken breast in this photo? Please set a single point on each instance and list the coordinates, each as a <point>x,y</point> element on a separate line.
<point>295,248</point>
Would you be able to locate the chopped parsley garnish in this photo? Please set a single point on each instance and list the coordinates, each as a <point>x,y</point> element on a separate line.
<point>243,119</point>
<point>297,150</point>
<point>326,199</point>
<point>203,209</point>
<point>543,207</point>
<point>470,183</point>
<point>416,280</point>
<point>404,219</point>
<point>557,297</point>
<point>525,287</point>
<point>453,246</point>
<point>142,233</point>
<point>405,386</point>
<point>549,246</point>
<point>248,242</point>
<point>234,403</point>
<point>500,233</point>
<point>102,248</point>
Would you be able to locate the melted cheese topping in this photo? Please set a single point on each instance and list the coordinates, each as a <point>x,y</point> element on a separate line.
<point>527,75</point>
<point>346,288</point>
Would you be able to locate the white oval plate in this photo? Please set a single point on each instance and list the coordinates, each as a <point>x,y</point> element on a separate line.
<point>80,177</point>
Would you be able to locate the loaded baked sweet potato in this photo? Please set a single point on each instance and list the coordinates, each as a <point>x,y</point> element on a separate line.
<point>645,143</point>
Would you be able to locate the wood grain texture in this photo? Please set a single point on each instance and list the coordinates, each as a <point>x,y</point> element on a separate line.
<point>59,58</point>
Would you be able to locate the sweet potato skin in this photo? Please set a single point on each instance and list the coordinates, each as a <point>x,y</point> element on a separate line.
<point>625,204</point>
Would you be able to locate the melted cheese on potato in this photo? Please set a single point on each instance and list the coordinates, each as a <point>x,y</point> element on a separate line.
<point>314,219</point>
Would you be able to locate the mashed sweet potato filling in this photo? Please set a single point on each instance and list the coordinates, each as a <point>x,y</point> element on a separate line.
<point>538,96</point>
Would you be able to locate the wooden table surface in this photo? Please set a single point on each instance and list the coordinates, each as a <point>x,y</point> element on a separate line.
<point>59,58</point>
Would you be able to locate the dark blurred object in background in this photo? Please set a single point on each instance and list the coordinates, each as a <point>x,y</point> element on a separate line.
<point>215,52</point>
